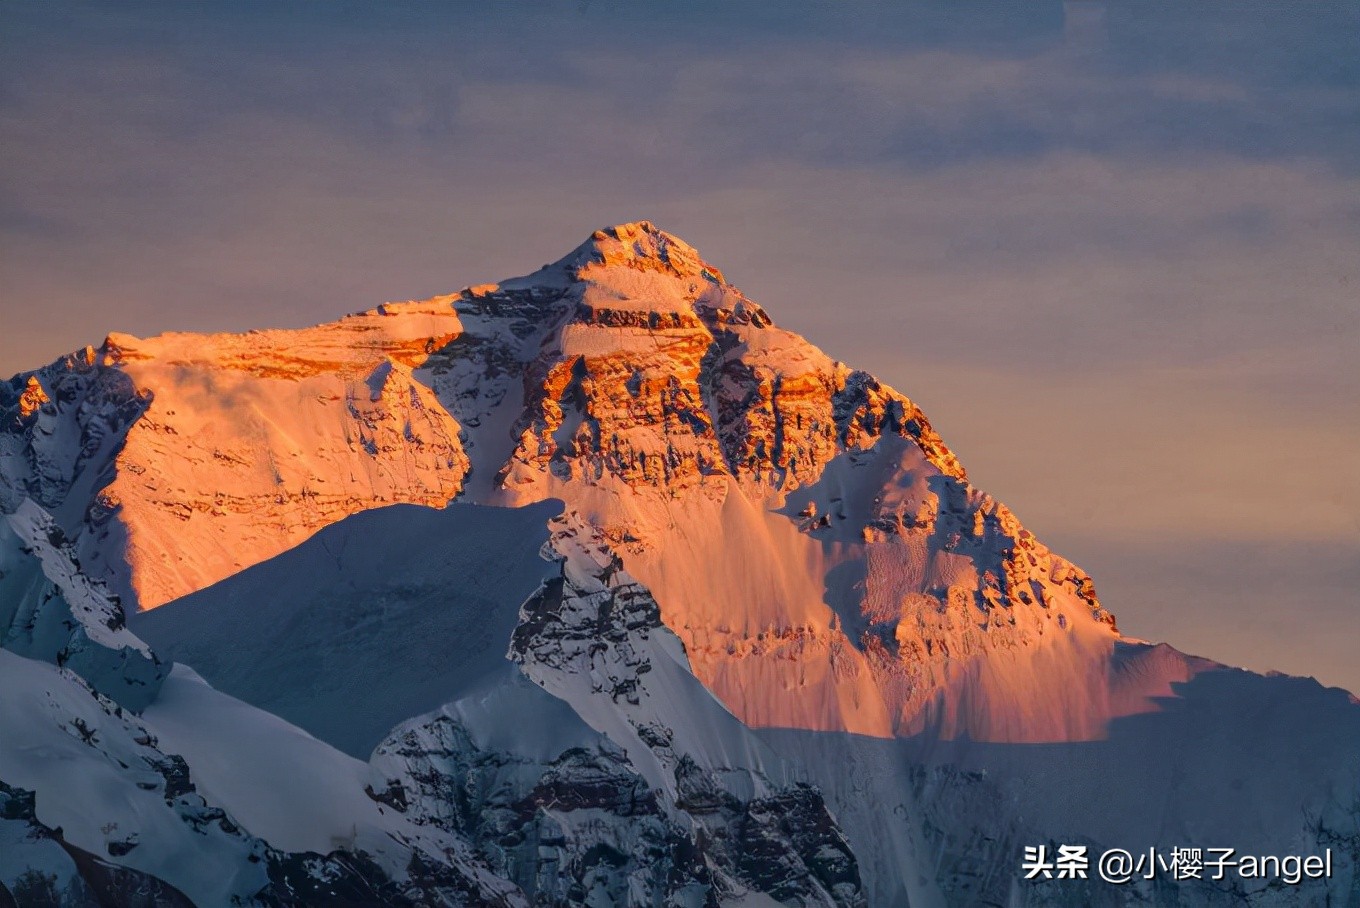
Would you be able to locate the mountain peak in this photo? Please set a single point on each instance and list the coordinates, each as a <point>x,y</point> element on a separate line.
<point>643,246</point>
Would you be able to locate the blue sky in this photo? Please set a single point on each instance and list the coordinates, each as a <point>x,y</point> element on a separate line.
<point>1110,247</point>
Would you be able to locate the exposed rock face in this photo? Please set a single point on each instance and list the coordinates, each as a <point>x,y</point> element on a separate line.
<point>61,875</point>
<point>573,831</point>
<point>588,825</point>
<point>148,834</point>
<point>595,635</point>
<point>52,611</point>
<point>60,429</point>
<point>658,373</point>
<point>176,462</point>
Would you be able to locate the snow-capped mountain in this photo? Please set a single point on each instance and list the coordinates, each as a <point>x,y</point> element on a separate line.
<point>592,587</point>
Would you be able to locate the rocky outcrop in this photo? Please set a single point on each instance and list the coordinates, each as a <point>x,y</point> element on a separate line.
<point>59,428</point>
<point>51,610</point>
<point>594,636</point>
<point>56,873</point>
<point>688,379</point>
<point>203,458</point>
<point>572,831</point>
<point>585,828</point>
<point>137,829</point>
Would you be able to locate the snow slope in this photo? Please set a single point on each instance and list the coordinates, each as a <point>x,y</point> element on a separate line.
<point>1220,758</point>
<point>380,617</point>
<point>121,788</point>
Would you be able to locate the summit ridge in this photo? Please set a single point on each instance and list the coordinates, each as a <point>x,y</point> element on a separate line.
<point>641,244</point>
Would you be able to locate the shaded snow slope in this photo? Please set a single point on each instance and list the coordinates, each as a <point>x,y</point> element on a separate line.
<point>71,749</point>
<point>163,795</point>
<point>380,617</point>
<point>1265,765</point>
<point>51,610</point>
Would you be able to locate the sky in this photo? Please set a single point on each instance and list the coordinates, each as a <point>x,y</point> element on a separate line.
<point>1111,248</point>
